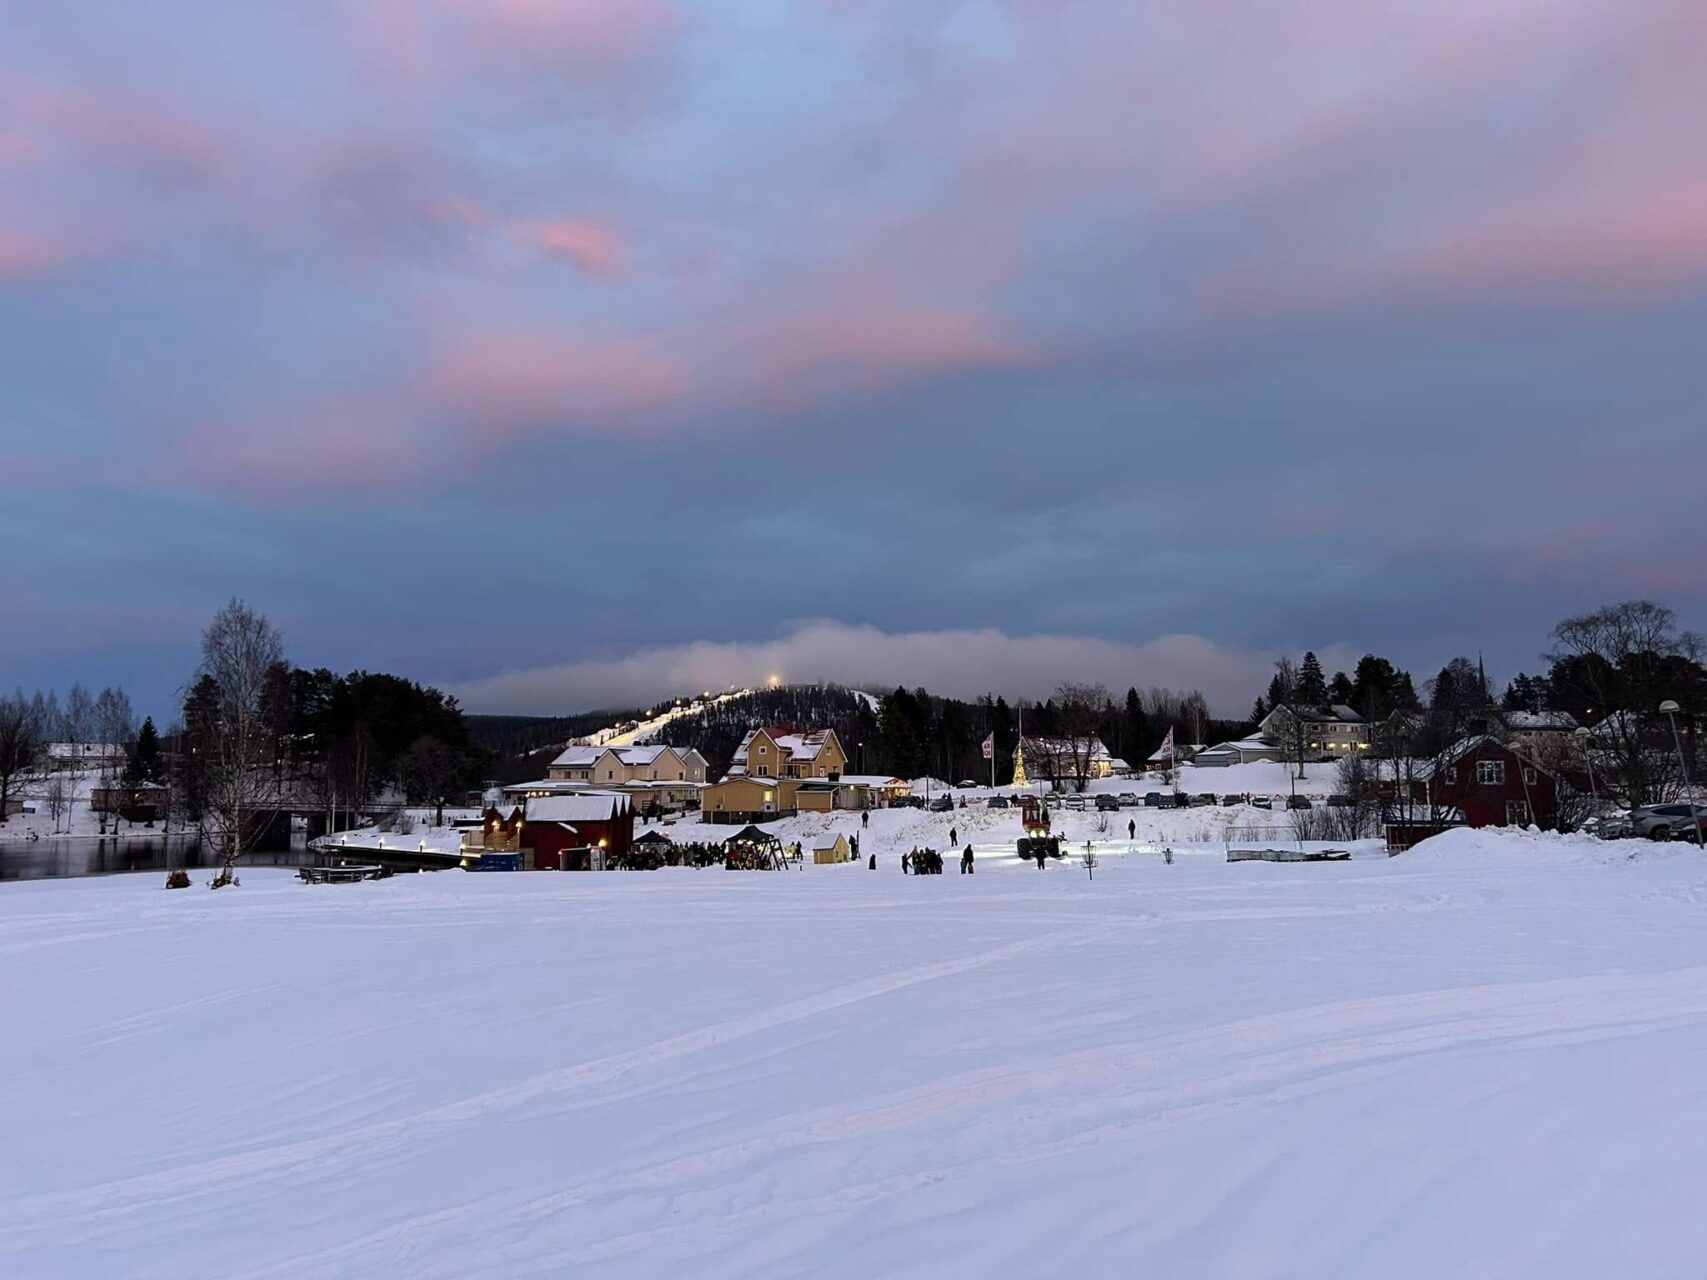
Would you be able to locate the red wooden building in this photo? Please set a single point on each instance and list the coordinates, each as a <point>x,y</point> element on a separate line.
<point>566,832</point>
<point>1479,782</point>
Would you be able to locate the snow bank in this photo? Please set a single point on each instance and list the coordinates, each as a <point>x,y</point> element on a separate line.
<point>1421,1067</point>
<point>1462,844</point>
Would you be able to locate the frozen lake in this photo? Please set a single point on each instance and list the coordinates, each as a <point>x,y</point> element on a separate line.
<point>1487,1060</point>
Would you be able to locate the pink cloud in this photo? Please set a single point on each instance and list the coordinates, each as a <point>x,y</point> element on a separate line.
<point>350,440</point>
<point>588,245</point>
<point>849,345</point>
<point>469,399</point>
<point>23,255</point>
<point>604,45</point>
<point>572,32</point>
<point>530,380</point>
<point>137,129</point>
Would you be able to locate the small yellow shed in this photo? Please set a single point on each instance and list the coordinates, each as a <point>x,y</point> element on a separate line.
<point>836,849</point>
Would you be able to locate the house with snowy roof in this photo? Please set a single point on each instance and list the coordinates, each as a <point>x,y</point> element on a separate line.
<point>613,766</point>
<point>1479,781</point>
<point>564,831</point>
<point>782,751</point>
<point>1245,751</point>
<point>773,768</point>
<point>1329,732</point>
<point>1060,760</point>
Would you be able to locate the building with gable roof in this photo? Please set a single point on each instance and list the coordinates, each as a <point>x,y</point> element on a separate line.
<point>562,831</point>
<point>782,751</point>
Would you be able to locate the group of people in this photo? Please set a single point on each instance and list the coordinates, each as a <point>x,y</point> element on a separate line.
<point>928,862</point>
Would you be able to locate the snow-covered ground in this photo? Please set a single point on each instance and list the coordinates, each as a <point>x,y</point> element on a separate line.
<point>1487,1057</point>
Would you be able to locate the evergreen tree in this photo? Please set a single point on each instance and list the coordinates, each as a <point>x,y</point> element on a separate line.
<point>1134,730</point>
<point>144,764</point>
<point>1339,689</point>
<point>1259,709</point>
<point>1405,694</point>
<point>1312,690</point>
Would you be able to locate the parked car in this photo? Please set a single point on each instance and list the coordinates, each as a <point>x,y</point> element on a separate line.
<point>1107,803</point>
<point>1130,800</point>
<point>1262,802</point>
<point>1076,803</point>
<point>1230,801</point>
<point>1152,799</point>
<point>1297,802</point>
<point>1614,826</point>
<point>1199,801</point>
<point>907,802</point>
<point>1341,802</point>
<point>1668,821</point>
<point>964,783</point>
<point>996,802</point>
<point>941,804</point>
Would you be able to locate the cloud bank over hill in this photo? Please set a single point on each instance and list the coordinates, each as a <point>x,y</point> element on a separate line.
<point>955,663</point>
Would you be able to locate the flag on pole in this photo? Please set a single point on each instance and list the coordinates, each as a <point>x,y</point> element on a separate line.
<point>990,747</point>
<point>1167,748</point>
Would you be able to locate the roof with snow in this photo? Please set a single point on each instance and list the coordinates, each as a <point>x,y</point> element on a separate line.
<point>1180,752</point>
<point>584,807</point>
<point>581,756</point>
<point>1064,747</point>
<point>1538,721</point>
<point>1335,713</point>
<point>799,746</point>
<point>1458,750</point>
<point>85,750</point>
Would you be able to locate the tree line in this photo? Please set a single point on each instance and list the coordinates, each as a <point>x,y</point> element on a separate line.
<point>255,734</point>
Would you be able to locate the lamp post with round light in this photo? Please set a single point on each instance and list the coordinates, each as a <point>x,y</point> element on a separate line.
<point>1669,710</point>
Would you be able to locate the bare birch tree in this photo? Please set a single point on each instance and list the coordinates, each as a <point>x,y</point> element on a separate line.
<point>239,648</point>
<point>1079,709</point>
<point>22,741</point>
<point>115,726</point>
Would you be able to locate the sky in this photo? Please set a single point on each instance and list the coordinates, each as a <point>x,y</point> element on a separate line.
<point>554,350</point>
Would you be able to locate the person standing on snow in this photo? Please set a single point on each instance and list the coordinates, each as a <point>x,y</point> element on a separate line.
<point>954,835</point>
<point>865,818</point>
<point>1132,829</point>
<point>874,862</point>
<point>966,861</point>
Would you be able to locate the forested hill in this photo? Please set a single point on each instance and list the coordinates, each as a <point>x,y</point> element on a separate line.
<point>717,730</point>
<point>512,735</point>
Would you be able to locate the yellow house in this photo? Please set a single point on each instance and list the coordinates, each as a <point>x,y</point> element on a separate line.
<point>782,751</point>
<point>613,766</point>
<point>739,798</point>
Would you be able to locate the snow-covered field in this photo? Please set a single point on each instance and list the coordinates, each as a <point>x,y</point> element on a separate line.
<point>1487,1057</point>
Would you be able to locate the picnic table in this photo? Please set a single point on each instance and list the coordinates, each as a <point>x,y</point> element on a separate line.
<point>348,874</point>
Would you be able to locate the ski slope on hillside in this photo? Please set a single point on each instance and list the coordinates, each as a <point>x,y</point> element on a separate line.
<point>1478,1059</point>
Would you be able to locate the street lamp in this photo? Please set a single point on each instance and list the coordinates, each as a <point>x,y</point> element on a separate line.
<point>1669,710</point>
<point>1584,738</point>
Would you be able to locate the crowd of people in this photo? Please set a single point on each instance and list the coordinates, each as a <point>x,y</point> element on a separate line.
<point>928,862</point>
